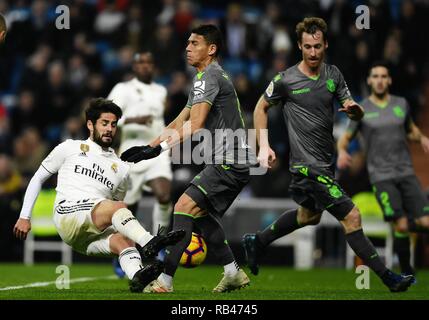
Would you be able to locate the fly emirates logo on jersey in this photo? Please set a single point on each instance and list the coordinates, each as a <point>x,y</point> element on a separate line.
<point>96,173</point>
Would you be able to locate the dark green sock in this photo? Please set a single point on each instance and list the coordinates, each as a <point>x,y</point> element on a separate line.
<point>365,250</point>
<point>213,233</point>
<point>182,221</point>
<point>284,225</point>
<point>401,246</point>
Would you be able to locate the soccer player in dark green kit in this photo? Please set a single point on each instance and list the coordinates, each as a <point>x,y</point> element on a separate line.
<point>307,92</point>
<point>385,129</point>
<point>213,106</point>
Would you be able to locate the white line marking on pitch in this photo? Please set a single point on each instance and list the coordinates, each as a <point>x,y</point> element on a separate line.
<point>45,284</point>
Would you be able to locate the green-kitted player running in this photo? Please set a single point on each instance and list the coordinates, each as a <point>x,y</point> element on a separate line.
<point>307,92</point>
<point>385,128</point>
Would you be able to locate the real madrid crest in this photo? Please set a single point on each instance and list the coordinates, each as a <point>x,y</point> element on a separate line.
<point>114,167</point>
<point>84,148</point>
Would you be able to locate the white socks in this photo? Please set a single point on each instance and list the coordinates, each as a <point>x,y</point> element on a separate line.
<point>161,215</point>
<point>127,225</point>
<point>130,261</point>
<point>231,269</point>
<point>166,280</point>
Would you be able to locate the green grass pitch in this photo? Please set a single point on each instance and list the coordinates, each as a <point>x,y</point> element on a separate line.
<point>273,283</point>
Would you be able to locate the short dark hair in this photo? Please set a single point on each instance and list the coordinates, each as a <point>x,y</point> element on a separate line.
<point>97,106</point>
<point>137,55</point>
<point>3,26</point>
<point>311,25</point>
<point>379,63</point>
<point>211,35</point>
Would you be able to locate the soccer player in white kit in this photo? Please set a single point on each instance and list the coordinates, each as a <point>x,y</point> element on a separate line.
<point>143,103</point>
<point>89,213</point>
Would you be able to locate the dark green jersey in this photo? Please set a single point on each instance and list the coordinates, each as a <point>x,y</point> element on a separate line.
<point>384,131</point>
<point>308,107</point>
<point>224,121</point>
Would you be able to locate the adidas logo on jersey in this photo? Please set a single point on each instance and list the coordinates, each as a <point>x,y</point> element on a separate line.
<point>84,148</point>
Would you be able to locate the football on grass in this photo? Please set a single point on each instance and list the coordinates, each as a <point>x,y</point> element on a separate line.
<point>195,253</point>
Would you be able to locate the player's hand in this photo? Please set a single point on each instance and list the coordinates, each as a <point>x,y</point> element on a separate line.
<point>137,154</point>
<point>22,228</point>
<point>425,144</point>
<point>344,160</point>
<point>354,111</point>
<point>266,157</point>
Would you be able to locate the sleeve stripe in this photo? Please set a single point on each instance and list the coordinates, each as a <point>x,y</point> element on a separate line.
<point>208,102</point>
<point>46,169</point>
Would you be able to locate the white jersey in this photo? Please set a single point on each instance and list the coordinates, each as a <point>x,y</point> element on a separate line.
<point>85,171</point>
<point>136,98</point>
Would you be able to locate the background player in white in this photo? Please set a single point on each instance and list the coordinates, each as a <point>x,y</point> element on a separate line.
<point>89,213</point>
<point>143,104</point>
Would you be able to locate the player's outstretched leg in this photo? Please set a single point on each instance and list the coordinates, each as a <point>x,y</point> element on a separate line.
<point>146,275</point>
<point>396,282</point>
<point>160,241</point>
<point>401,246</point>
<point>213,233</point>
<point>365,250</point>
<point>139,275</point>
<point>164,283</point>
<point>232,282</point>
<point>254,244</point>
<point>148,245</point>
<point>253,250</point>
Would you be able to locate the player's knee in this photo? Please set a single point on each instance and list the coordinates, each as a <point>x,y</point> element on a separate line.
<point>119,242</point>
<point>424,222</point>
<point>353,220</point>
<point>182,205</point>
<point>314,220</point>
<point>118,205</point>
<point>401,226</point>
<point>306,217</point>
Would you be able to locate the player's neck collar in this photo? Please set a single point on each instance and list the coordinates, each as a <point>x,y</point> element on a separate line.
<point>97,147</point>
<point>380,103</point>
<point>138,82</point>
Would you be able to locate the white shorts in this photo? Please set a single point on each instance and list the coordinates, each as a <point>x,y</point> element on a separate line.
<point>144,171</point>
<point>74,225</point>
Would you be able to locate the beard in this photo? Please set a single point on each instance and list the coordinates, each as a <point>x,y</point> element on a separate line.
<point>98,139</point>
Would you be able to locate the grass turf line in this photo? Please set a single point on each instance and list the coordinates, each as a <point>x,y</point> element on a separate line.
<point>273,283</point>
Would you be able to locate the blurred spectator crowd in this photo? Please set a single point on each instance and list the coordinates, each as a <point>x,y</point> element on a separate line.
<point>47,74</point>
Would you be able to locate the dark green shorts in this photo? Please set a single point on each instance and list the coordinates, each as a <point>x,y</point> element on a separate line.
<point>317,190</point>
<point>401,197</point>
<point>215,188</point>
